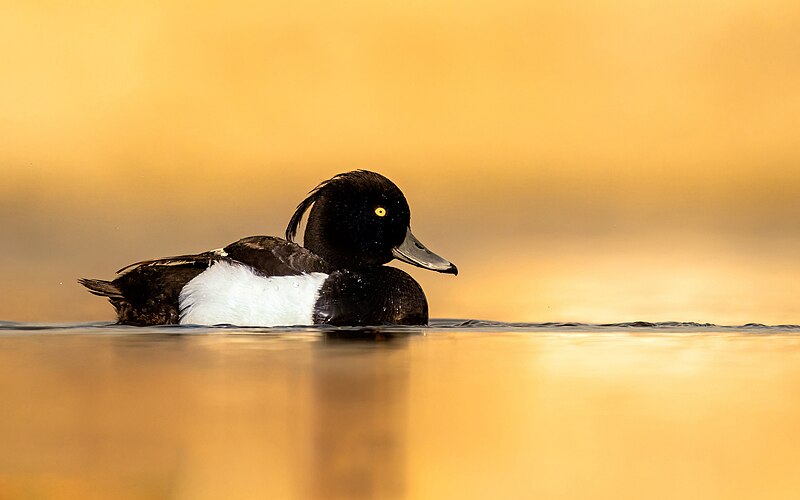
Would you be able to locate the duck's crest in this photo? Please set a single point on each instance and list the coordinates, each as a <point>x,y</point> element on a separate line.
<point>314,194</point>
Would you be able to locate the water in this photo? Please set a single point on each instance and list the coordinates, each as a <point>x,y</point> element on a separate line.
<point>460,409</point>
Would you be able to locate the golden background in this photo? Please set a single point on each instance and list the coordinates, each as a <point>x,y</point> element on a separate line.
<point>579,161</point>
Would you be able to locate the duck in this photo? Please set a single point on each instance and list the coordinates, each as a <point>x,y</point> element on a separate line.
<point>357,222</point>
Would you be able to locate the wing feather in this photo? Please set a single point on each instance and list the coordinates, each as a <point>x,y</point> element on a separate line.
<point>274,256</point>
<point>178,260</point>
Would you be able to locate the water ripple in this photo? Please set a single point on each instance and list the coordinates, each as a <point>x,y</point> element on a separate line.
<point>436,324</point>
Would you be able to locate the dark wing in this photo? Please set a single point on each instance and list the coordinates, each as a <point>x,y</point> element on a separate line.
<point>273,256</point>
<point>269,255</point>
<point>197,260</point>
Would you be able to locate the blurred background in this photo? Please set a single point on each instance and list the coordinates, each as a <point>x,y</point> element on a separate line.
<point>579,161</point>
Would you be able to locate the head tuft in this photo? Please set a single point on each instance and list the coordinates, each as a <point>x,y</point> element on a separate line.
<point>364,177</point>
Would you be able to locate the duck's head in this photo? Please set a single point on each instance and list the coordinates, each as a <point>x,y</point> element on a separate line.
<point>359,220</point>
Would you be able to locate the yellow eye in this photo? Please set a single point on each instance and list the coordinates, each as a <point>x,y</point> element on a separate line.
<point>380,212</point>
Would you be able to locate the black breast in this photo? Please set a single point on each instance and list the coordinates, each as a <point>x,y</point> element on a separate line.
<point>380,296</point>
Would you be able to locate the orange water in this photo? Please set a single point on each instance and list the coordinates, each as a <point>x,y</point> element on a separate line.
<point>549,413</point>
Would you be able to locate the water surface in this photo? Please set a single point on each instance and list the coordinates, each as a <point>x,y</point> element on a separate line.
<point>460,409</point>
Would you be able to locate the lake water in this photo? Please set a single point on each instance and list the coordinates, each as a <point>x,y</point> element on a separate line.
<point>460,409</point>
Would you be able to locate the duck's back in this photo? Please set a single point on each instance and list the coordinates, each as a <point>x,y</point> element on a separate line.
<point>148,293</point>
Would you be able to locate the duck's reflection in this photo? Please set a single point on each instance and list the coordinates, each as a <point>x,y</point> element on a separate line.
<point>367,335</point>
<point>359,394</point>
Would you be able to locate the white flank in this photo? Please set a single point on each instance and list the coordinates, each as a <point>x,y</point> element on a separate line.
<point>229,293</point>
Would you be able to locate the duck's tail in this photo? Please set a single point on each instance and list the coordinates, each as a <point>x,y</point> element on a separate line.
<point>102,288</point>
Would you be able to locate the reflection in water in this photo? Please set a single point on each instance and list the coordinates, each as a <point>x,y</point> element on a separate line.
<point>451,413</point>
<point>360,399</point>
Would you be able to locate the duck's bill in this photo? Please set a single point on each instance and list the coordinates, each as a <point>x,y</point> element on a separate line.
<point>414,252</point>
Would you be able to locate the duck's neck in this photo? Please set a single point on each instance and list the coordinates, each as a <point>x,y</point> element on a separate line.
<point>338,251</point>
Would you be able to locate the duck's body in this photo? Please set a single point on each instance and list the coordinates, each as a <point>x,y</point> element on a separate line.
<point>358,222</point>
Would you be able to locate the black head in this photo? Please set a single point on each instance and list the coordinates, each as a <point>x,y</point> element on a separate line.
<point>356,219</point>
<point>360,220</point>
